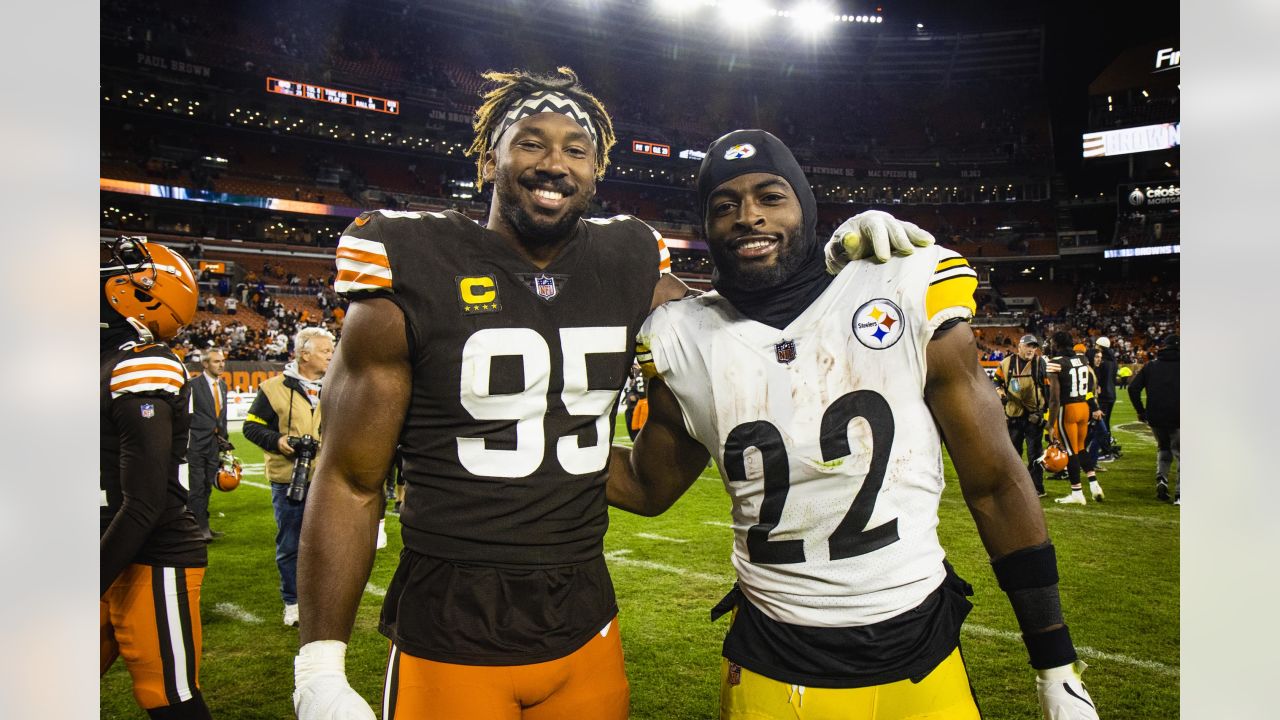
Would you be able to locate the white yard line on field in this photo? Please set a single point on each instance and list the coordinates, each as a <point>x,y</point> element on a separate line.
<point>1084,650</point>
<point>374,590</point>
<point>1088,509</point>
<point>250,483</point>
<point>717,523</point>
<point>1141,519</point>
<point>663,538</point>
<point>235,612</point>
<point>619,557</point>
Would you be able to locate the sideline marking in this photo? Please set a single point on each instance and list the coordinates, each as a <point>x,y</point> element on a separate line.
<point>235,612</point>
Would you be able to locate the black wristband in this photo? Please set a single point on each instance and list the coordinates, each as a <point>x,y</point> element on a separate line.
<point>1031,567</point>
<point>1050,649</point>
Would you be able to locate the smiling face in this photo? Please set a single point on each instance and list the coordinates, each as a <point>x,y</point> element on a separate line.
<point>754,229</point>
<point>543,171</point>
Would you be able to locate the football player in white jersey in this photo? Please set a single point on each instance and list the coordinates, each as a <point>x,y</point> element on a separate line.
<point>824,402</point>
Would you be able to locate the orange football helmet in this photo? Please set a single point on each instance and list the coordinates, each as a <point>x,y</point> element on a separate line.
<point>1054,458</point>
<point>149,285</point>
<point>228,477</point>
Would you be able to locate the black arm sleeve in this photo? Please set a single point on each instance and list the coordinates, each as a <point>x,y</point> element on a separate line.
<point>145,456</point>
<point>255,431</point>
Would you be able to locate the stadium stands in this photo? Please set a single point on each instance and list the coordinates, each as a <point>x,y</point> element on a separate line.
<point>966,153</point>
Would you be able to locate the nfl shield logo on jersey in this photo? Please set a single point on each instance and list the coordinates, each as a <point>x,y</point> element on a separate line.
<point>785,351</point>
<point>878,324</point>
<point>545,286</point>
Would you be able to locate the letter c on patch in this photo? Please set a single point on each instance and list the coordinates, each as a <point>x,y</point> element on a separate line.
<point>478,290</point>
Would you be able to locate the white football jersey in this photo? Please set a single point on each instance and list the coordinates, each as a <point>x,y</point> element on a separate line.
<point>822,435</point>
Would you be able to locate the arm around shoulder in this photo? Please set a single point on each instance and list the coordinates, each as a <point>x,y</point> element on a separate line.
<point>665,461</point>
<point>669,288</point>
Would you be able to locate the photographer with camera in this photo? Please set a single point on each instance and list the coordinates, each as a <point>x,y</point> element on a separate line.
<point>284,421</point>
<point>1021,385</point>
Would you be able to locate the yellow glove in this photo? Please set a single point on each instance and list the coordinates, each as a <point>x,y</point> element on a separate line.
<point>873,234</point>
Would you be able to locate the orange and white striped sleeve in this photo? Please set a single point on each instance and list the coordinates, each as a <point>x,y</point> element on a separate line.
<point>147,374</point>
<point>363,265</point>
<point>664,255</point>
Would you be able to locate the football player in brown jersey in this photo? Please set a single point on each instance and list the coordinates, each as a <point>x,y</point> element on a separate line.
<point>1072,404</point>
<point>151,549</point>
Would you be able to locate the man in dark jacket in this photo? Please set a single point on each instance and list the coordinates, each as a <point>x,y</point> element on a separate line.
<point>1106,371</point>
<point>1160,379</point>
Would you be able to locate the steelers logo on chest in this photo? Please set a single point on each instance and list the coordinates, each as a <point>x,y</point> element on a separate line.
<point>878,324</point>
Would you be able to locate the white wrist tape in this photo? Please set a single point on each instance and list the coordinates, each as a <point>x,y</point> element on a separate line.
<point>319,657</point>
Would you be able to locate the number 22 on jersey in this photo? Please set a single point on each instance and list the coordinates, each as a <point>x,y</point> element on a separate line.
<point>851,537</point>
<point>529,406</point>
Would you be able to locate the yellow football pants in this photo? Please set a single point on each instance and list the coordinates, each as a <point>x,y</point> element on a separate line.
<point>943,694</point>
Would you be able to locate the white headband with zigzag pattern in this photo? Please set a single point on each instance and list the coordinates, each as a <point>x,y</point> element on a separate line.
<point>545,101</point>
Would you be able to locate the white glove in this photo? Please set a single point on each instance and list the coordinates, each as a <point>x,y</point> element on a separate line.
<point>1062,695</point>
<point>320,684</point>
<point>873,234</point>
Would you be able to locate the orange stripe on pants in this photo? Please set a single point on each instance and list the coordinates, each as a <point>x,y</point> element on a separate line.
<point>587,683</point>
<point>150,617</point>
<point>1073,426</point>
<point>640,414</point>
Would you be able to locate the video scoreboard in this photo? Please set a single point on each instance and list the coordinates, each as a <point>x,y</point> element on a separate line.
<point>319,93</point>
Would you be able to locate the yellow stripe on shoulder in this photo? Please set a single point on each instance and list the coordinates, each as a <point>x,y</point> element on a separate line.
<point>644,358</point>
<point>951,262</point>
<point>953,291</point>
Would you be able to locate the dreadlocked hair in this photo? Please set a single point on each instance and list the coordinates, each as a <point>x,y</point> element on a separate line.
<point>517,84</point>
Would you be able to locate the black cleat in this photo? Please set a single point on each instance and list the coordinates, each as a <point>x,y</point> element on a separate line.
<point>1162,489</point>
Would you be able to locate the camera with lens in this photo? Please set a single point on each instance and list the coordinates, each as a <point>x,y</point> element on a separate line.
<point>304,451</point>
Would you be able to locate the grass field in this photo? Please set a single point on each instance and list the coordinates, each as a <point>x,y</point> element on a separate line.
<point>1118,561</point>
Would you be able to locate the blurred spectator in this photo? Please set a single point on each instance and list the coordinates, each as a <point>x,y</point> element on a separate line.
<point>1160,379</point>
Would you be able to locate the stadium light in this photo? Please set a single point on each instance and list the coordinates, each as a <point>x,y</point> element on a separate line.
<point>671,7</point>
<point>812,17</point>
<point>741,16</point>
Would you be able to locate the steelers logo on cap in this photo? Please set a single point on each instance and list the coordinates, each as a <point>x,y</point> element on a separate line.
<point>878,324</point>
<point>741,151</point>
